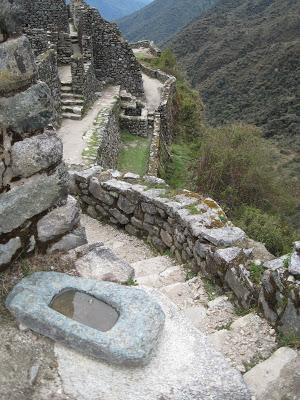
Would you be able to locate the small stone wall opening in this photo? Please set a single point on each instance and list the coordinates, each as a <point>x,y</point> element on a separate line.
<point>86,309</point>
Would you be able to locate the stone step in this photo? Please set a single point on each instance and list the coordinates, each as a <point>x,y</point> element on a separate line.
<point>167,277</point>
<point>72,95</point>
<point>186,294</point>
<point>248,340</point>
<point>67,89</point>
<point>151,266</point>
<point>278,377</point>
<point>72,102</point>
<point>74,110</point>
<point>75,117</point>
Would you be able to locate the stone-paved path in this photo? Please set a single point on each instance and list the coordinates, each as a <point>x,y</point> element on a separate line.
<point>152,89</point>
<point>72,132</point>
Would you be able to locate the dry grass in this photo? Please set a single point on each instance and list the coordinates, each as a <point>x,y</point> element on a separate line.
<point>26,266</point>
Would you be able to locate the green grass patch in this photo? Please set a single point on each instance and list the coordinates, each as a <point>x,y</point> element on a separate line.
<point>134,155</point>
<point>289,341</point>
<point>193,209</point>
<point>256,273</point>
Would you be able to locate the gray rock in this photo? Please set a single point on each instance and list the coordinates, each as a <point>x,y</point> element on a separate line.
<point>130,175</point>
<point>28,111</point>
<point>166,238</point>
<point>119,216</point>
<point>38,193</point>
<point>72,240</point>
<point>100,263</point>
<point>17,66</point>
<point>8,250</point>
<point>85,175</point>
<point>227,236</point>
<point>131,340</point>
<point>59,221</point>
<point>183,367</point>
<point>35,154</point>
<point>100,194</point>
<point>277,263</point>
<point>290,320</point>
<point>266,374</point>
<point>237,278</point>
<point>153,180</point>
<point>294,263</point>
<point>125,205</point>
<point>297,247</point>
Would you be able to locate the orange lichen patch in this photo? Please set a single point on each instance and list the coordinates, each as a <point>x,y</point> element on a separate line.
<point>211,203</point>
<point>216,223</point>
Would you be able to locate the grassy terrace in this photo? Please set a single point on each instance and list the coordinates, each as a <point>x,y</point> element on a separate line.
<point>134,155</point>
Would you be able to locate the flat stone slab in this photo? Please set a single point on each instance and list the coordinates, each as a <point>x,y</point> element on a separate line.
<point>96,261</point>
<point>184,366</point>
<point>130,341</point>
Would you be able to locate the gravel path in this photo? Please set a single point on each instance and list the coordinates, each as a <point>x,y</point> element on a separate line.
<point>152,89</point>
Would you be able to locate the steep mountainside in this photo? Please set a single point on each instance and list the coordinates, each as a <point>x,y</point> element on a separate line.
<point>244,56</point>
<point>162,18</point>
<point>115,9</point>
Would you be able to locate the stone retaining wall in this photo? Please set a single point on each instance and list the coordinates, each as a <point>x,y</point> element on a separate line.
<point>113,59</point>
<point>103,140</point>
<point>196,230</point>
<point>48,73</point>
<point>164,120</point>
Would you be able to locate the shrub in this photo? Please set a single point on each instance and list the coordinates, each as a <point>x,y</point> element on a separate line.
<point>266,228</point>
<point>235,165</point>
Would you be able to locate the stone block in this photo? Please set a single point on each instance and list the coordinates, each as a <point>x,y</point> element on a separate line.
<point>8,250</point>
<point>59,221</point>
<point>35,154</point>
<point>121,218</point>
<point>70,241</point>
<point>38,193</point>
<point>28,111</point>
<point>17,66</point>
<point>96,190</point>
<point>125,205</point>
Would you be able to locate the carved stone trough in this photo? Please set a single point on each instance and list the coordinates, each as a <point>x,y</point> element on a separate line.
<point>130,340</point>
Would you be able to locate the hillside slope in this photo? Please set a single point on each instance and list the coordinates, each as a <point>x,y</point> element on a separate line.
<point>115,9</point>
<point>244,57</point>
<point>162,18</point>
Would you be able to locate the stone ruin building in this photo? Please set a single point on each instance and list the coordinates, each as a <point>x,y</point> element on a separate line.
<point>56,60</point>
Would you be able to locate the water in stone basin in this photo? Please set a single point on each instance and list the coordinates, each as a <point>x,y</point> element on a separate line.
<point>85,309</point>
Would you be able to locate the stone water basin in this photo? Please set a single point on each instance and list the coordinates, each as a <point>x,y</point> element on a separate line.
<point>104,320</point>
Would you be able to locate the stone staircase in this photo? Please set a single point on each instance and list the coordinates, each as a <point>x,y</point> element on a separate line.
<point>244,340</point>
<point>72,103</point>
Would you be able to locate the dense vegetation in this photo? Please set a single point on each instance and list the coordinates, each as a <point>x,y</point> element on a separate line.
<point>115,9</point>
<point>244,58</point>
<point>235,165</point>
<point>162,18</point>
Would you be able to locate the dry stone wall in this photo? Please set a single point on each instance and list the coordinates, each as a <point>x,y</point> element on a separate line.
<point>33,179</point>
<point>113,59</point>
<point>164,120</point>
<point>196,230</point>
<point>147,44</point>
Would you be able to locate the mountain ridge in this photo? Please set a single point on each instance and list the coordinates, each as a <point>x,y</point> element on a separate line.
<point>244,57</point>
<point>161,19</point>
<point>115,9</point>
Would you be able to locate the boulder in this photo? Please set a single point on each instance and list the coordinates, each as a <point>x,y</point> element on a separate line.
<point>59,221</point>
<point>70,241</point>
<point>36,195</point>
<point>8,250</point>
<point>99,262</point>
<point>28,111</point>
<point>17,66</point>
<point>35,154</point>
<point>294,262</point>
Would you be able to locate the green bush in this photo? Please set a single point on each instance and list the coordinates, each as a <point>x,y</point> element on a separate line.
<point>269,229</point>
<point>235,166</point>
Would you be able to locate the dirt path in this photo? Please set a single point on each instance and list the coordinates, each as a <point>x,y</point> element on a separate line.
<point>152,89</point>
<point>72,132</point>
